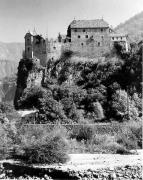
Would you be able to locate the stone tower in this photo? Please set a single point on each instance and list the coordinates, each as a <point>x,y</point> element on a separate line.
<point>35,47</point>
<point>29,45</point>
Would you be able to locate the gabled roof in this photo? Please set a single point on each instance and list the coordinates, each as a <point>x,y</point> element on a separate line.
<point>97,23</point>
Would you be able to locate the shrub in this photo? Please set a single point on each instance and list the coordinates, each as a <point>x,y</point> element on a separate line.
<point>131,135</point>
<point>41,147</point>
<point>124,106</point>
<point>106,144</point>
<point>6,139</point>
<point>83,132</point>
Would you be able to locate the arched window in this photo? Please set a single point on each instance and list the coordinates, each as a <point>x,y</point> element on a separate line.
<point>78,36</point>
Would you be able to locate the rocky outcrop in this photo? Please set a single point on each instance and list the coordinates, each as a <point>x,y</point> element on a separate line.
<point>30,73</point>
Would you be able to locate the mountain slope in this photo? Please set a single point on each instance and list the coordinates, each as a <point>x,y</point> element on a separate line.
<point>133,27</point>
<point>10,54</point>
<point>11,51</point>
<point>7,68</point>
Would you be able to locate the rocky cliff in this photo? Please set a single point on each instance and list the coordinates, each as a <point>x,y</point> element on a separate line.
<point>30,73</point>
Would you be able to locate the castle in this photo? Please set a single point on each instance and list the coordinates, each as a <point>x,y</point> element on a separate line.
<point>92,38</point>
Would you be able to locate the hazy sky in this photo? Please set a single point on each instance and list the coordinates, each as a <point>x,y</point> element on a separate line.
<point>53,16</point>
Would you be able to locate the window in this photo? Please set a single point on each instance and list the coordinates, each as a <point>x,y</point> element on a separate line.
<point>83,30</point>
<point>28,49</point>
<point>113,38</point>
<point>98,43</point>
<point>86,36</point>
<point>101,30</point>
<point>121,38</point>
<point>75,30</point>
<point>82,44</point>
<point>78,36</point>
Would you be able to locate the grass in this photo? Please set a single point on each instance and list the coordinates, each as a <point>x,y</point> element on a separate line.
<point>41,144</point>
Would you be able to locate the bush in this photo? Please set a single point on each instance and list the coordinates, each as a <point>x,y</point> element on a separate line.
<point>131,135</point>
<point>40,147</point>
<point>7,133</point>
<point>106,144</point>
<point>83,132</point>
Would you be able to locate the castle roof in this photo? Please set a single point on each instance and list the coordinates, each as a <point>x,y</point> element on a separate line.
<point>97,23</point>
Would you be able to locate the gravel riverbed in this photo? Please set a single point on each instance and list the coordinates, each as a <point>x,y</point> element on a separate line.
<point>81,166</point>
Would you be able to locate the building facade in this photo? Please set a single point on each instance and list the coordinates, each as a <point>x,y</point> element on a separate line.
<point>89,38</point>
<point>93,37</point>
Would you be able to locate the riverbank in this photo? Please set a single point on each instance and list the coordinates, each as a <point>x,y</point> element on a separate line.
<point>80,166</point>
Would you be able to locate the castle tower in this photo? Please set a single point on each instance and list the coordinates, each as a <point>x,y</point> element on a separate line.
<point>29,45</point>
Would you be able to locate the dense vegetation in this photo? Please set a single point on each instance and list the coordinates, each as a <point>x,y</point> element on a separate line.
<point>77,94</point>
<point>80,92</point>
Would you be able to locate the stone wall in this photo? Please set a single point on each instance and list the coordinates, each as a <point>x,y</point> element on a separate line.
<point>88,49</point>
<point>39,49</point>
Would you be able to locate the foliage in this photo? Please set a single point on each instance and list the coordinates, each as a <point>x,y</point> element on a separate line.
<point>102,89</point>
<point>124,106</point>
<point>83,132</point>
<point>42,147</point>
<point>32,97</point>
<point>131,135</point>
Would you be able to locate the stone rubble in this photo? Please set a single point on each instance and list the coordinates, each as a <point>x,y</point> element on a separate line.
<point>118,173</point>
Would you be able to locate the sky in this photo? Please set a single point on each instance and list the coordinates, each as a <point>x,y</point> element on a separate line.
<point>49,17</point>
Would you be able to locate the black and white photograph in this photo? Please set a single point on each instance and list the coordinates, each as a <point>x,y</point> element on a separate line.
<point>71,89</point>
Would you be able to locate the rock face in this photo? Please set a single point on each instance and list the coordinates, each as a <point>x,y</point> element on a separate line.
<point>30,73</point>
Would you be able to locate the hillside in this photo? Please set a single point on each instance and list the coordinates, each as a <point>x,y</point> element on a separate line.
<point>71,90</point>
<point>11,51</point>
<point>7,68</point>
<point>10,54</point>
<point>133,27</point>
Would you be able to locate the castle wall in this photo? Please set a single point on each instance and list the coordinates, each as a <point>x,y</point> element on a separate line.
<point>54,50</point>
<point>35,46</point>
<point>82,35</point>
<point>91,49</point>
<point>39,49</point>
